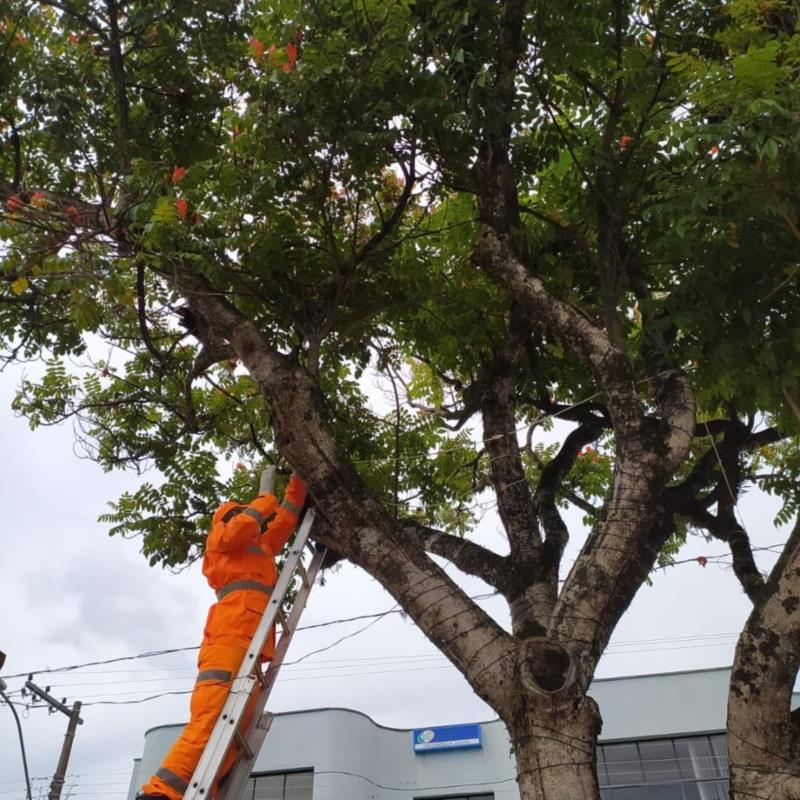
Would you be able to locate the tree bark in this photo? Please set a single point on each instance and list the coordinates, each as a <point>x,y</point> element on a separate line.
<point>763,733</point>
<point>554,737</point>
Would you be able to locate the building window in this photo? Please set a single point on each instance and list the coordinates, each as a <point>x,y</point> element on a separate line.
<point>623,764</point>
<point>685,768</point>
<point>280,786</point>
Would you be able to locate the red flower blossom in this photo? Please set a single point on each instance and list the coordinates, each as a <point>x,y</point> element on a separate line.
<point>14,203</point>
<point>256,48</point>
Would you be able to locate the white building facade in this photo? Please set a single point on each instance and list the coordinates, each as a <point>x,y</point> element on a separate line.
<point>663,738</point>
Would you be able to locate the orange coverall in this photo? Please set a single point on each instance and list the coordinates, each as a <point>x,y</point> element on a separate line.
<point>239,565</point>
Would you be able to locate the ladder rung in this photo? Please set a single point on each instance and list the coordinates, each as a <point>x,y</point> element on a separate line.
<point>243,744</point>
<point>282,619</point>
<point>262,678</point>
<point>301,569</point>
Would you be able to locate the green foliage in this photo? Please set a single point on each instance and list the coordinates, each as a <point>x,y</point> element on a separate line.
<point>273,173</point>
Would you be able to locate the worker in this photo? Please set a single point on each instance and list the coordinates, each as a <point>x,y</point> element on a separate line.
<point>240,567</point>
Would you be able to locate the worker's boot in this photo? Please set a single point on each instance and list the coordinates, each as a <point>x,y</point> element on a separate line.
<point>151,797</point>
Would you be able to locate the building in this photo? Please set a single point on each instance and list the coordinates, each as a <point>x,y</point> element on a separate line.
<point>663,739</point>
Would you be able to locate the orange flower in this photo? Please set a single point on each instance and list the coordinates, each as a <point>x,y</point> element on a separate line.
<point>256,48</point>
<point>72,215</point>
<point>713,151</point>
<point>177,174</point>
<point>182,207</point>
<point>291,55</point>
<point>702,560</point>
<point>624,141</point>
<point>38,199</point>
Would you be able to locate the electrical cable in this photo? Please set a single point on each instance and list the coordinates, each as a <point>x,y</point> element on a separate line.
<point>328,676</point>
<point>313,626</point>
<point>169,651</point>
<point>21,743</point>
<point>339,641</point>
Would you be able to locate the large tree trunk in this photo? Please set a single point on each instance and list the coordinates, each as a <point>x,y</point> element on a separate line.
<point>763,734</point>
<point>554,740</point>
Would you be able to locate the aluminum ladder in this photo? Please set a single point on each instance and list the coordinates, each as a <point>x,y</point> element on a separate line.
<point>252,679</point>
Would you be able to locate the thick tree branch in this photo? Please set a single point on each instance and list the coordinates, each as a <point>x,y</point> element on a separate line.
<point>393,220</point>
<point>209,355</point>
<point>361,528</point>
<point>141,313</point>
<point>623,547</point>
<point>763,738</point>
<point>468,556</point>
<point>726,529</point>
<point>585,413</point>
<point>75,13</point>
<point>563,320</point>
<point>116,62</point>
<point>514,501</point>
<point>549,488</point>
<point>577,500</point>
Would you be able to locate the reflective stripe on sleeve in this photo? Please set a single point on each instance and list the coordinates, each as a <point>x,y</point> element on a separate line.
<point>291,507</point>
<point>172,780</point>
<point>214,675</point>
<point>235,586</point>
<point>256,550</point>
<point>256,515</point>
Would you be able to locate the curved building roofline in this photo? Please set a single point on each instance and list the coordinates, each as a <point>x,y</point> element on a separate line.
<point>337,708</point>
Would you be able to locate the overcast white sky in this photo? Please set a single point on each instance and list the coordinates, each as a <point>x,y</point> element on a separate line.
<point>70,594</point>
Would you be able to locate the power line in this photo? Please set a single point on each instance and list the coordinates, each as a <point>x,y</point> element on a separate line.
<point>405,662</point>
<point>716,558</point>
<point>328,675</point>
<point>169,651</point>
<point>688,643</point>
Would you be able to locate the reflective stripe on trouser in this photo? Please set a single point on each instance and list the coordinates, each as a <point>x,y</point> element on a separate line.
<point>215,661</point>
<point>235,586</point>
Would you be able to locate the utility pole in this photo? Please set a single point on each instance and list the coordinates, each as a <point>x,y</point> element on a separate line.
<point>74,720</point>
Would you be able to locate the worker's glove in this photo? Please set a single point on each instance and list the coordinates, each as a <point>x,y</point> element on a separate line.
<point>267,485</point>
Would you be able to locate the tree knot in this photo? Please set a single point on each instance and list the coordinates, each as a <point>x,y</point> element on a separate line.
<point>546,667</point>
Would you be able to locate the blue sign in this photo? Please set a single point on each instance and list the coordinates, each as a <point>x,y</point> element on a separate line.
<point>446,737</point>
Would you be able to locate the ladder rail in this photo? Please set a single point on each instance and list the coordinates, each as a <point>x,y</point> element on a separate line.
<point>246,681</point>
<point>276,598</point>
<point>259,726</point>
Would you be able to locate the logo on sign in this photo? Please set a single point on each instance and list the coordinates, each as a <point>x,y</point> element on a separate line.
<point>448,737</point>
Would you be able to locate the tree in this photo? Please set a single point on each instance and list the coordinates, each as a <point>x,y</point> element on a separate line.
<point>764,739</point>
<point>514,213</point>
